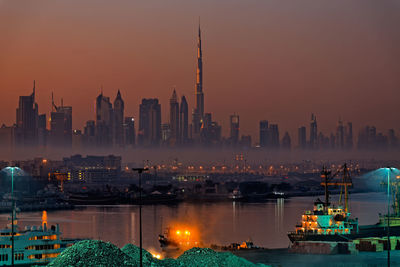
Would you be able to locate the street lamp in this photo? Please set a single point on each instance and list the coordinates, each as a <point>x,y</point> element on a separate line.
<point>140,171</point>
<point>12,171</point>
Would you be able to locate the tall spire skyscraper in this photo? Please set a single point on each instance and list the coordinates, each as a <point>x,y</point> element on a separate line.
<point>198,112</point>
<point>199,78</point>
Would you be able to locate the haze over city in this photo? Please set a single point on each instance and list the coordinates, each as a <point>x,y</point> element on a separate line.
<point>262,59</point>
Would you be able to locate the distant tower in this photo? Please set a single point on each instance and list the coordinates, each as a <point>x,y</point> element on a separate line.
<point>264,133</point>
<point>274,136</point>
<point>184,121</point>
<point>234,123</point>
<point>286,142</point>
<point>174,117</point>
<point>104,121</point>
<point>302,138</point>
<point>313,132</point>
<point>149,122</point>
<point>340,135</point>
<point>61,125</point>
<point>27,120</point>
<point>198,112</point>
<point>129,131</point>
<point>119,120</point>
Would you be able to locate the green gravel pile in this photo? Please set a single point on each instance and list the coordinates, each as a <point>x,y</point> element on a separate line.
<point>134,253</point>
<point>101,254</point>
<point>208,257</point>
<point>92,253</point>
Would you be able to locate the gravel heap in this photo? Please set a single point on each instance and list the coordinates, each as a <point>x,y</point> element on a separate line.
<point>92,253</point>
<point>208,257</point>
<point>134,253</point>
<point>101,254</point>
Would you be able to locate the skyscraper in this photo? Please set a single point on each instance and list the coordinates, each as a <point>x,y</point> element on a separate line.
<point>340,135</point>
<point>198,112</point>
<point>264,136</point>
<point>27,120</point>
<point>313,132</point>
<point>349,136</point>
<point>149,122</point>
<point>129,131</point>
<point>118,120</point>
<point>234,125</point>
<point>184,121</point>
<point>274,136</point>
<point>104,121</point>
<point>302,137</point>
<point>286,141</point>
<point>61,126</point>
<point>174,118</point>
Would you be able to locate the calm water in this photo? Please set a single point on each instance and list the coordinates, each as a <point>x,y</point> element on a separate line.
<point>220,223</point>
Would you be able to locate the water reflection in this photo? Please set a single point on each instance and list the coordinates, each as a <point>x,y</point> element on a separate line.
<point>220,223</point>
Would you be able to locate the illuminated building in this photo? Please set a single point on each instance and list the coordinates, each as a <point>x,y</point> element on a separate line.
<point>118,120</point>
<point>198,112</point>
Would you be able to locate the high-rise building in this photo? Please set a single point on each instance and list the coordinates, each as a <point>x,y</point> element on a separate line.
<point>313,132</point>
<point>174,118</point>
<point>165,133</point>
<point>264,133</point>
<point>234,126</point>
<point>149,122</point>
<point>61,125</point>
<point>273,136</point>
<point>27,120</point>
<point>302,137</point>
<point>89,134</point>
<point>118,122</point>
<point>349,136</point>
<point>286,142</point>
<point>340,136</point>
<point>104,121</point>
<point>184,121</point>
<point>129,131</point>
<point>198,111</point>
<point>42,130</point>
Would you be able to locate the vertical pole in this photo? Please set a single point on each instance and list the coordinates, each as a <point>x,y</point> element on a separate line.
<point>12,216</point>
<point>140,217</point>
<point>388,217</point>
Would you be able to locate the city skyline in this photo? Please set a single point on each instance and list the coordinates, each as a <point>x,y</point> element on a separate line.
<point>287,100</point>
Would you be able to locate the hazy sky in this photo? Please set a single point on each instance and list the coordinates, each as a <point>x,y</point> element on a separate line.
<point>275,60</point>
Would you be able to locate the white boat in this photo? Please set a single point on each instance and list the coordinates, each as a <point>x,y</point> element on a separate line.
<point>33,245</point>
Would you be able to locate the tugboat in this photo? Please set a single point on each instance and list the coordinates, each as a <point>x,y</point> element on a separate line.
<point>178,239</point>
<point>327,222</point>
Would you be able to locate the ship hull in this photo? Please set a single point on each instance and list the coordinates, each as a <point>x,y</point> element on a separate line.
<point>364,232</point>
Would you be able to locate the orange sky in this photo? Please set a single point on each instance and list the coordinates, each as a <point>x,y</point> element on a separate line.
<point>274,60</point>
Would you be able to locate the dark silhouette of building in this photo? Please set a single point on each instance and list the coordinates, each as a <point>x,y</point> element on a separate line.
<point>198,111</point>
<point>286,142</point>
<point>264,133</point>
<point>302,137</point>
<point>245,141</point>
<point>89,134</point>
<point>340,135</point>
<point>42,130</point>
<point>273,136</point>
<point>118,122</point>
<point>104,121</point>
<point>174,119</point>
<point>234,127</point>
<point>184,121</point>
<point>210,134</point>
<point>149,122</point>
<point>27,120</point>
<point>313,132</point>
<point>129,131</point>
<point>349,136</point>
<point>61,126</point>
